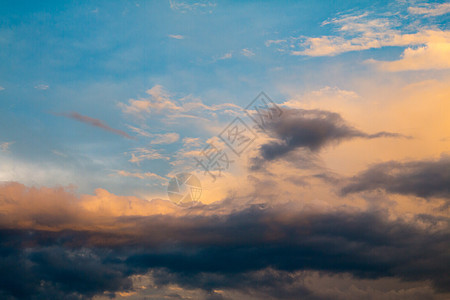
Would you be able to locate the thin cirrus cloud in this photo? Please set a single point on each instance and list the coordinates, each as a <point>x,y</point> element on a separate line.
<point>95,122</point>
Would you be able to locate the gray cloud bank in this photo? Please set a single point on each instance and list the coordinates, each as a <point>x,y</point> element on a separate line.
<point>224,252</point>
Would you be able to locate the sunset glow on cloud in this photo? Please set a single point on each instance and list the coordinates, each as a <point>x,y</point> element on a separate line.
<point>225,150</point>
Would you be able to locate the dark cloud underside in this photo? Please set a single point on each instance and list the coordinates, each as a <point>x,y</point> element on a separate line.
<point>84,263</point>
<point>427,178</point>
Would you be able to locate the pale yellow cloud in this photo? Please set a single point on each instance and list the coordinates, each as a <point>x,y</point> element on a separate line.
<point>433,56</point>
<point>369,39</point>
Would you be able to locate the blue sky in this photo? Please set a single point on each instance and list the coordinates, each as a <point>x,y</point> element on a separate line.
<point>60,57</point>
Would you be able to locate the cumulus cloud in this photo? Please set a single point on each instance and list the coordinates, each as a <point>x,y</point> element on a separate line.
<point>312,130</point>
<point>423,178</point>
<point>96,123</point>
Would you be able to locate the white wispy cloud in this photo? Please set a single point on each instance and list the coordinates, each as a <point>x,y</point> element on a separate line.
<point>427,48</point>
<point>1,88</point>
<point>191,6</point>
<point>166,138</point>
<point>160,102</point>
<point>176,36</point>
<point>272,42</point>
<point>140,154</point>
<point>247,52</point>
<point>140,175</point>
<point>41,87</point>
<point>226,56</point>
<point>358,32</point>
<point>430,10</point>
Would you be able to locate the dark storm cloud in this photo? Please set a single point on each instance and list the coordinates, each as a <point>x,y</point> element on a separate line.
<point>229,248</point>
<point>312,130</point>
<point>427,178</point>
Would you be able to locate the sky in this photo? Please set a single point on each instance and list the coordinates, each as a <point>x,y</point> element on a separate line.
<point>319,131</point>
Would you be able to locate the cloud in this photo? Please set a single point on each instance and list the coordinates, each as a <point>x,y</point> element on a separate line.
<point>226,56</point>
<point>312,130</point>
<point>140,175</point>
<point>41,87</point>
<point>4,147</point>
<point>108,238</point>
<point>165,138</point>
<point>176,36</point>
<point>433,56</point>
<point>140,154</point>
<point>334,45</point>
<point>430,10</point>
<point>247,52</point>
<point>202,6</point>
<point>423,178</point>
<point>161,103</point>
<point>362,32</point>
<point>1,88</point>
<point>272,42</point>
<point>95,122</point>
